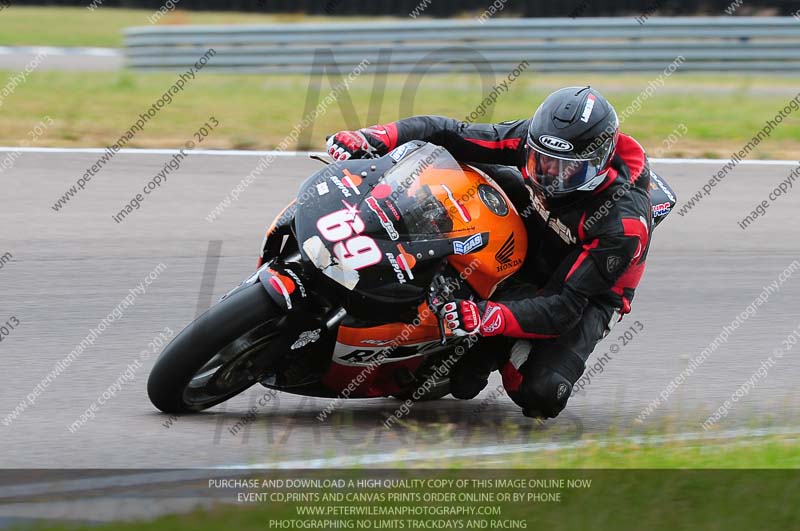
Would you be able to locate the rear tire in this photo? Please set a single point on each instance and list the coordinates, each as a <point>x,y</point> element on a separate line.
<point>243,327</point>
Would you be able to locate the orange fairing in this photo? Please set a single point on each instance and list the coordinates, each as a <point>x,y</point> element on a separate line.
<point>424,329</point>
<point>458,191</point>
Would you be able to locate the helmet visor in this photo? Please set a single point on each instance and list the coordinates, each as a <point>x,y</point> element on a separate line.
<point>558,175</point>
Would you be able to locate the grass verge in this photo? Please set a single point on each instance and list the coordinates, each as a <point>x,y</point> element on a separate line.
<point>720,113</point>
<point>747,453</point>
<point>745,496</point>
<point>78,26</point>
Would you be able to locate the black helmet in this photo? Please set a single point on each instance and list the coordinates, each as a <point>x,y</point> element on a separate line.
<point>571,139</point>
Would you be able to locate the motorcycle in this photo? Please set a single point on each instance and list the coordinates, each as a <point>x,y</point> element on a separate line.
<point>353,272</point>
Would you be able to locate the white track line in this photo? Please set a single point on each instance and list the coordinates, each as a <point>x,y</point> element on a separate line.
<point>211,152</point>
<point>720,162</point>
<point>148,479</point>
<point>275,153</point>
<point>53,50</point>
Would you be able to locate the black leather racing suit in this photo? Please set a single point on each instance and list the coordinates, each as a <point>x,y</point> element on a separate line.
<point>584,262</point>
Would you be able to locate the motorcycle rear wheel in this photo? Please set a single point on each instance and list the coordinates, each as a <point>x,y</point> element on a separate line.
<point>220,354</point>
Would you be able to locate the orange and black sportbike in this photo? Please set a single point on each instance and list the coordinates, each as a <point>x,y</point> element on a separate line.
<point>345,301</point>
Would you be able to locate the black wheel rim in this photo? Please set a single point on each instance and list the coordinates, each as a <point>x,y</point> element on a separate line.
<point>233,369</point>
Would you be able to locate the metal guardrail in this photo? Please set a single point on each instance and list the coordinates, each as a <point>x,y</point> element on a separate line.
<point>583,44</point>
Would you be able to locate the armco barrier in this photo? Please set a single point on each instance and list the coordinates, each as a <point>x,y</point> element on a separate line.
<point>554,44</point>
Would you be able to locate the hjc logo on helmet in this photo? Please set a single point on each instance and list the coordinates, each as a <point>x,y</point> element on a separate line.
<point>553,142</point>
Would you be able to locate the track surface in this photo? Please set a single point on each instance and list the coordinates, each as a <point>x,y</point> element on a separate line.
<point>71,268</point>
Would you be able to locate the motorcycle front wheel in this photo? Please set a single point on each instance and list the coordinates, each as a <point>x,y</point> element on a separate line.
<point>220,354</point>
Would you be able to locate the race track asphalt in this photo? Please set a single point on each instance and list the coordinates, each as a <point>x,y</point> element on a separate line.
<point>71,268</point>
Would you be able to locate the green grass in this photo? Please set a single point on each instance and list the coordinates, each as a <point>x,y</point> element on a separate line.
<point>77,26</point>
<point>768,453</point>
<point>720,112</point>
<point>645,498</point>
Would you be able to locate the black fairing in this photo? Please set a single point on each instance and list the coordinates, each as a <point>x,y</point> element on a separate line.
<point>382,292</point>
<point>378,296</point>
<point>662,198</point>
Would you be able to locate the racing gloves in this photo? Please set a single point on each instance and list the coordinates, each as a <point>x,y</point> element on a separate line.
<point>465,318</point>
<point>377,140</point>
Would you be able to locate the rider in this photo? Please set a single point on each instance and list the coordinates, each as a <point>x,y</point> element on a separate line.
<point>588,218</point>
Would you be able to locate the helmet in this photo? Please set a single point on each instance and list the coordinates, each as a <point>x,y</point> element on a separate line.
<point>571,139</point>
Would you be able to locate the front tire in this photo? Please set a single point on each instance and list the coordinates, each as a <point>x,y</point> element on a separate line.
<point>220,354</point>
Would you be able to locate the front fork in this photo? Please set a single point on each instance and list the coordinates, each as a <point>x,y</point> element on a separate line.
<point>311,324</point>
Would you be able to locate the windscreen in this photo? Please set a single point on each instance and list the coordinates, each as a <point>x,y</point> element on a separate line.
<point>406,192</point>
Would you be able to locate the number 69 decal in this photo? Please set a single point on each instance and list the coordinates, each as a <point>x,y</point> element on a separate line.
<point>358,251</point>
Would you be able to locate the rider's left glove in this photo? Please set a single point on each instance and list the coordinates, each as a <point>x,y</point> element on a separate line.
<point>466,318</point>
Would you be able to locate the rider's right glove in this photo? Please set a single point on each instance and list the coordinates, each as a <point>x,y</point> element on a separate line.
<point>465,318</point>
<point>378,140</point>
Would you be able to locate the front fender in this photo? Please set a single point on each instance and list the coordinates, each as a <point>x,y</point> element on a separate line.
<point>284,285</point>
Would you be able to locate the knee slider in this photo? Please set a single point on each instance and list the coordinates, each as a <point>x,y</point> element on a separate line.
<point>545,391</point>
<point>465,386</point>
<point>470,375</point>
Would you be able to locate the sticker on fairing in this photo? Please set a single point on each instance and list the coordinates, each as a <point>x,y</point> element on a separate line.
<point>401,151</point>
<point>661,209</point>
<point>663,186</point>
<point>468,245</point>
<point>372,355</point>
<point>344,189</point>
<point>297,282</point>
<point>384,220</point>
<point>401,278</point>
<point>306,338</point>
<point>462,211</point>
<point>321,257</point>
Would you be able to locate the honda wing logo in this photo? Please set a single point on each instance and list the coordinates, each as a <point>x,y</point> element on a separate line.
<point>505,253</point>
<point>503,256</point>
